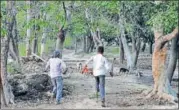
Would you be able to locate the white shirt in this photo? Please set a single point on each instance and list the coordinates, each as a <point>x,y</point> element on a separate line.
<point>100,65</point>
<point>56,66</point>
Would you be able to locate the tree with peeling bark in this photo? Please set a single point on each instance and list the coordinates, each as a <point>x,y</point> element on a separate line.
<point>162,85</point>
<point>162,88</point>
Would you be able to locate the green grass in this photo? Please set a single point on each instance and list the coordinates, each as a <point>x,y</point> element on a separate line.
<point>22,49</point>
<point>68,42</point>
<point>49,43</point>
<point>113,50</point>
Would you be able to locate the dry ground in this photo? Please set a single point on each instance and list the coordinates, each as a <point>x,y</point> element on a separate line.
<point>122,92</point>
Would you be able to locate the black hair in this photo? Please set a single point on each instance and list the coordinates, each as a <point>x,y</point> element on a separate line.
<point>56,54</point>
<point>100,49</point>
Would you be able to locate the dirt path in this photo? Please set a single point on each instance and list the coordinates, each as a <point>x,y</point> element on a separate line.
<point>122,92</point>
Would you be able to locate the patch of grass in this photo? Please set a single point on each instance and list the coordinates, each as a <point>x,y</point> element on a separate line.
<point>9,68</point>
<point>22,49</point>
<point>113,50</point>
<point>49,44</point>
<point>68,42</point>
<point>22,46</point>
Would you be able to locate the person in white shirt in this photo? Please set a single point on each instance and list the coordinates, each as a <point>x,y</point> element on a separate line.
<point>100,68</point>
<point>56,65</point>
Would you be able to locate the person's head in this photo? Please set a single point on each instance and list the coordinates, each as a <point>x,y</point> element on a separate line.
<point>101,49</point>
<point>56,54</point>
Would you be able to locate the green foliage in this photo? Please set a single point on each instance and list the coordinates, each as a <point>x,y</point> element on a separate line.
<point>166,14</point>
<point>140,17</point>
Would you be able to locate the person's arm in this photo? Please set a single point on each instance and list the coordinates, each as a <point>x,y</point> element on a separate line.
<point>47,66</point>
<point>88,61</point>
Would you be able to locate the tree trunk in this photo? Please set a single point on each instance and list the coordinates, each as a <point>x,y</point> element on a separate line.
<point>76,44</point>
<point>28,49</point>
<point>173,59</point>
<point>121,51</point>
<point>35,45</point>
<point>43,42</point>
<point>131,57</point>
<point>44,35</point>
<point>11,50</point>
<point>59,45</point>
<point>143,46</point>
<point>35,29</point>
<point>7,95</point>
<point>92,47</point>
<point>84,44</point>
<point>150,47</point>
<point>136,51</point>
<point>62,33</point>
<point>15,42</point>
<point>127,53</point>
<point>161,83</point>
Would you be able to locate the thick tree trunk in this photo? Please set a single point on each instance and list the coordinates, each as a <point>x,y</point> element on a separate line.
<point>59,45</point>
<point>173,59</point>
<point>132,57</point>
<point>7,95</point>
<point>121,51</point>
<point>161,83</point>
<point>127,53</point>
<point>28,47</point>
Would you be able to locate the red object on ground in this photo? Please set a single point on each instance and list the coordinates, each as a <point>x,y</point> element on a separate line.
<point>85,70</point>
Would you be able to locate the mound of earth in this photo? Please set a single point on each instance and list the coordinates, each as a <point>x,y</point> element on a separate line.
<point>33,87</point>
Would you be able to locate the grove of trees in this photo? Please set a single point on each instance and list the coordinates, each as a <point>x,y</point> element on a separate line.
<point>133,25</point>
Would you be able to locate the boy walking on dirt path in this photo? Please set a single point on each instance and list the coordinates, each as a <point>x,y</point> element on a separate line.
<point>100,68</point>
<point>56,64</point>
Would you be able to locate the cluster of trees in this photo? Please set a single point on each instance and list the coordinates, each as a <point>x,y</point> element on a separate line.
<point>126,22</point>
